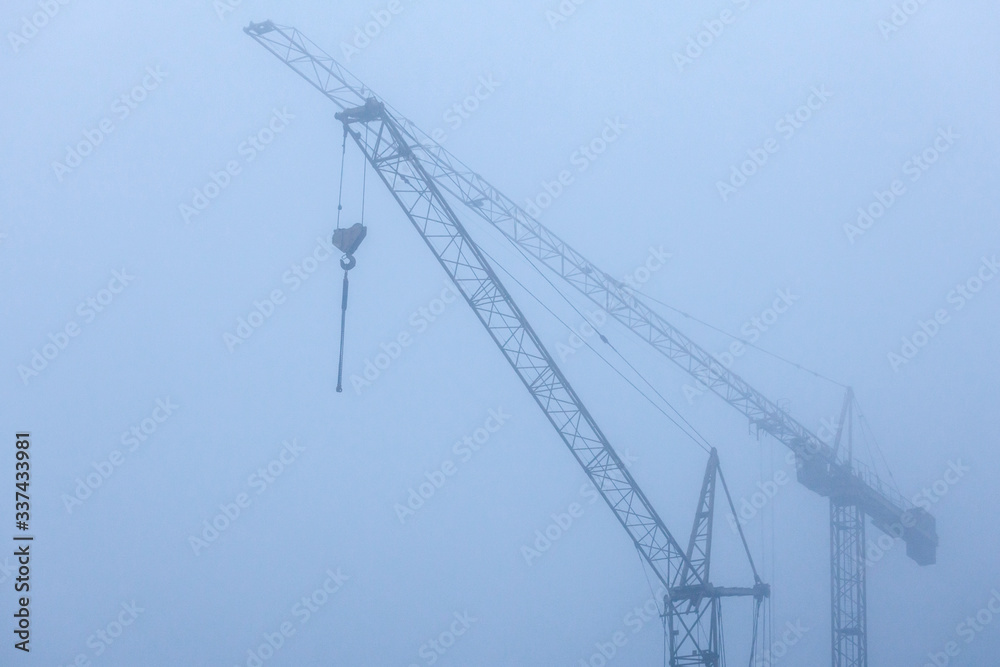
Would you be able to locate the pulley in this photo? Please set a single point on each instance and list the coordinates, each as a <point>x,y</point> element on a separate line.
<point>347,241</point>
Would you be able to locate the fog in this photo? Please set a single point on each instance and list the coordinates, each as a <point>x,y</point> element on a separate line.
<point>809,193</point>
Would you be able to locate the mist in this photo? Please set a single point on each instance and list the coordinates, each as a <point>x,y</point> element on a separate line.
<point>807,193</point>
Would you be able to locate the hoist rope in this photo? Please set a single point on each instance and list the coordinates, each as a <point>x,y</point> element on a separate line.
<point>364,178</point>
<point>799,366</point>
<point>343,325</point>
<point>865,426</point>
<point>697,437</point>
<point>649,582</point>
<point>602,358</point>
<point>340,194</point>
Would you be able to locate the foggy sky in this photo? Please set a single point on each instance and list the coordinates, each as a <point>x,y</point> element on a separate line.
<point>879,256</point>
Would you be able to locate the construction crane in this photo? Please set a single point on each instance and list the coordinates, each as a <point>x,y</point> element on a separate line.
<point>388,152</point>
<point>695,602</point>
<point>853,492</point>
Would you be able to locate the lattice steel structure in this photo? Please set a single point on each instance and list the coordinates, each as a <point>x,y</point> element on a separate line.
<point>819,468</point>
<point>416,193</point>
<point>695,604</point>
<point>848,585</point>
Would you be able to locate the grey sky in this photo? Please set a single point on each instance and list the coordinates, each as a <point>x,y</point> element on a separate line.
<point>212,184</point>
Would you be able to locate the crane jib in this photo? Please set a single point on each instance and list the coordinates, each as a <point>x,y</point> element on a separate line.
<point>456,178</point>
<point>385,147</point>
<point>405,156</point>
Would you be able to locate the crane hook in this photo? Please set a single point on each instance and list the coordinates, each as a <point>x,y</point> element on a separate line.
<point>347,241</point>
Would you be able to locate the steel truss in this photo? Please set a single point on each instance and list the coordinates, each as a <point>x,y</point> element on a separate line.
<point>818,466</point>
<point>848,583</point>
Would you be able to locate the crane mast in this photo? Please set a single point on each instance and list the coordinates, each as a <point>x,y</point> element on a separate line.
<point>431,169</point>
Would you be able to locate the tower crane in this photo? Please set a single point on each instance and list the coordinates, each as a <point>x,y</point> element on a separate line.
<point>419,172</point>
<point>388,152</point>
<point>695,602</point>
